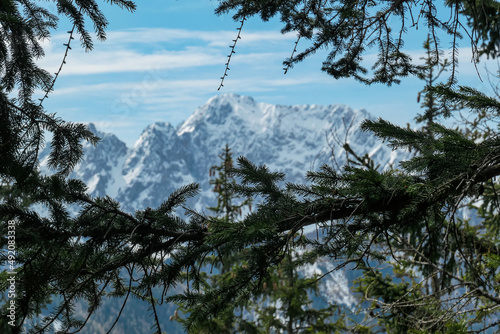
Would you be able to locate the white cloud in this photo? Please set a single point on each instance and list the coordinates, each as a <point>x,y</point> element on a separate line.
<point>139,49</point>
<point>158,90</point>
<point>212,38</point>
<point>130,61</point>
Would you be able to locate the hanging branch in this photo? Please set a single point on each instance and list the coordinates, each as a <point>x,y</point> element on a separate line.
<point>231,53</point>
<point>129,290</point>
<point>454,59</point>
<point>289,62</point>
<point>68,47</point>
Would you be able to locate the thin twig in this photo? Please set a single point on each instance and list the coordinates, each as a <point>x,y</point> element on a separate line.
<point>232,47</point>
<point>289,63</point>
<point>130,271</point>
<point>68,47</point>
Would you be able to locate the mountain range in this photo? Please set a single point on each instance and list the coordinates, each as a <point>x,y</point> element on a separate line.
<point>290,139</point>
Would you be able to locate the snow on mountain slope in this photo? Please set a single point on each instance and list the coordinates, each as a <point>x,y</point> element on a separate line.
<point>156,166</point>
<point>288,138</point>
<point>102,170</point>
<point>102,167</point>
<point>291,139</point>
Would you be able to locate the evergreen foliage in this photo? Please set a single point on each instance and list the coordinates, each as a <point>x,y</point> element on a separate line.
<point>350,29</point>
<point>223,266</point>
<point>226,207</point>
<point>281,303</point>
<point>444,266</point>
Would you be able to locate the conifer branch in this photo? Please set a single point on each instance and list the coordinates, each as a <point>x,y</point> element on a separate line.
<point>348,207</point>
<point>49,89</point>
<point>152,301</point>
<point>289,62</point>
<point>92,310</point>
<point>454,58</point>
<point>232,47</point>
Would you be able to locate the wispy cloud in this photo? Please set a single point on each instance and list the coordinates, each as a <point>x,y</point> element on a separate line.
<point>132,61</point>
<point>157,84</point>
<point>139,49</point>
<point>212,38</point>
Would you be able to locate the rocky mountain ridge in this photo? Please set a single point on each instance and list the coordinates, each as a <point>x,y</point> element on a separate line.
<point>290,139</point>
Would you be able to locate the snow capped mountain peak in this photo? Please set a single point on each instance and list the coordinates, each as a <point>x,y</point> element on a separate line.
<point>230,98</point>
<point>291,139</point>
<point>159,127</point>
<point>231,112</point>
<point>155,130</point>
<point>102,166</point>
<point>220,109</point>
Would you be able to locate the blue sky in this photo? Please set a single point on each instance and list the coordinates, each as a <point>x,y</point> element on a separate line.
<point>163,61</point>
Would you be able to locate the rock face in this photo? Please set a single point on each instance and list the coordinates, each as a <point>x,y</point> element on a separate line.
<point>291,139</point>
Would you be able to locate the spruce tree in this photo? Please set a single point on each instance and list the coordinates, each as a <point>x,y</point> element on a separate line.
<point>228,208</point>
<point>222,267</point>
<point>286,301</point>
